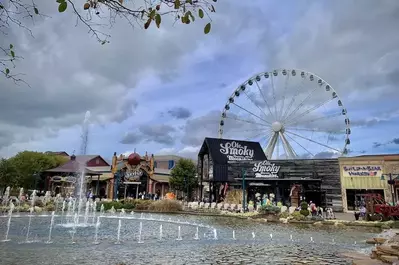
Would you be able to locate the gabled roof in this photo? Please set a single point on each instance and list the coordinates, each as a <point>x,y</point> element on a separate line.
<point>58,153</point>
<point>72,166</point>
<point>83,159</point>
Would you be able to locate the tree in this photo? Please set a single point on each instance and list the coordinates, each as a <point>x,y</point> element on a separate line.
<point>8,173</point>
<point>183,176</point>
<point>89,12</point>
<point>25,165</point>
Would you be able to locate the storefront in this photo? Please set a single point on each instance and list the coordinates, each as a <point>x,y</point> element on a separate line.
<point>223,163</point>
<point>368,174</point>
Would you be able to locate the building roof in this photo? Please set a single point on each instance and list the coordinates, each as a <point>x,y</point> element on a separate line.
<point>162,171</point>
<point>368,157</point>
<point>59,153</point>
<point>167,157</point>
<point>72,166</point>
<point>103,169</point>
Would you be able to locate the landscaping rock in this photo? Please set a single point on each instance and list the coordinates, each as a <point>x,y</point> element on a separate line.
<point>388,259</point>
<point>368,262</point>
<point>388,250</point>
<point>379,240</point>
<point>371,241</point>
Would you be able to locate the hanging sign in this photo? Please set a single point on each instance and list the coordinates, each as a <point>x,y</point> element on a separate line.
<point>236,151</point>
<point>265,169</point>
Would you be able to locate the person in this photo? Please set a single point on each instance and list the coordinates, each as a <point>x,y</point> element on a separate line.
<point>313,208</point>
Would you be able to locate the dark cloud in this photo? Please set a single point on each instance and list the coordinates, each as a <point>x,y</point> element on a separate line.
<point>180,113</point>
<point>325,154</point>
<point>161,134</point>
<point>395,141</point>
<point>377,144</point>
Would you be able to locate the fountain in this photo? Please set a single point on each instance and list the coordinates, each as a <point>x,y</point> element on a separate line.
<point>96,231</point>
<point>196,237</point>
<point>140,232</point>
<point>119,232</point>
<point>179,234</point>
<point>215,234</point>
<point>6,196</point>
<point>50,228</point>
<point>234,235</point>
<point>160,232</point>
<point>9,222</point>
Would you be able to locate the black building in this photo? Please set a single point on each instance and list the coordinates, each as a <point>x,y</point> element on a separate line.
<point>222,161</point>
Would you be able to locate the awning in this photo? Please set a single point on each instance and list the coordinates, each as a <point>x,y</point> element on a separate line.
<point>160,178</point>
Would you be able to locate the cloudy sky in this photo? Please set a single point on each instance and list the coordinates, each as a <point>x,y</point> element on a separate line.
<point>163,90</point>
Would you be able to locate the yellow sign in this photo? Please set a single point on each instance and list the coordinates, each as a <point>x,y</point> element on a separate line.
<point>362,171</point>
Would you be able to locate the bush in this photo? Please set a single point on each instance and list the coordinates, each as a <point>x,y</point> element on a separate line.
<point>304,206</point>
<point>269,209</point>
<point>142,204</point>
<point>297,216</point>
<point>165,206</point>
<point>284,215</point>
<point>49,207</point>
<point>304,212</point>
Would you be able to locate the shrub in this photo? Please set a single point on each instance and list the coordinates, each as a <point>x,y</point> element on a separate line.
<point>39,203</point>
<point>269,209</point>
<point>284,215</point>
<point>142,204</point>
<point>165,206</point>
<point>297,216</point>
<point>49,207</point>
<point>304,212</point>
<point>304,206</point>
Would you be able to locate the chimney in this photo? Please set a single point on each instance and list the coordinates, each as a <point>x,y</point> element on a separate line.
<point>73,157</point>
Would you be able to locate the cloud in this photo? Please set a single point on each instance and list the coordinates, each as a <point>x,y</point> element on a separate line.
<point>150,133</point>
<point>186,152</point>
<point>179,113</point>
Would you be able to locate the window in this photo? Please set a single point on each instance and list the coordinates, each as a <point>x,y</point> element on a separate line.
<point>155,164</point>
<point>171,164</point>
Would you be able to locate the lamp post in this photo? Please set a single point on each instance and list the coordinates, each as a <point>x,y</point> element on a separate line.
<point>391,183</point>
<point>243,173</point>
<point>186,185</point>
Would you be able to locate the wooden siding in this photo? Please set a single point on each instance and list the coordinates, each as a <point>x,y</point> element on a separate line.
<point>93,162</point>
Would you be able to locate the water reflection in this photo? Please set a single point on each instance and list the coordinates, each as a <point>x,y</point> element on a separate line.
<point>273,244</point>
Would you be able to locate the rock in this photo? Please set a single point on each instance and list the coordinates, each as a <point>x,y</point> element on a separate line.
<point>283,220</point>
<point>373,254</point>
<point>37,209</point>
<point>371,241</point>
<point>395,246</point>
<point>379,240</point>
<point>388,250</point>
<point>283,209</point>
<point>291,209</point>
<point>389,259</point>
<point>318,223</point>
<point>368,262</point>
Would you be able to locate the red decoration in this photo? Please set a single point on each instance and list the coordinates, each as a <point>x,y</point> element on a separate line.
<point>134,159</point>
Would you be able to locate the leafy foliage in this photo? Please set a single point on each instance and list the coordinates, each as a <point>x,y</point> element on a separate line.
<point>269,209</point>
<point>19,171</point>
<point>183,176</point>
<point>89,12</point>
<point>297,216</point>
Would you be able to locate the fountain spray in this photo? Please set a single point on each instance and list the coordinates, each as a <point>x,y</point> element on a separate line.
<point>196,237</point>
<point>140,231</point>
<point>160,232</point>
<point>9,221</point>
<point>234,235</point>
<point>96,231</point>
<point>118,236</point>
<point>51,228</point>
<point>179,234</point>
<point>215,234</point>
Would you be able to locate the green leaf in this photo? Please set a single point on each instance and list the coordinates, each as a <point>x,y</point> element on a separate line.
<point>201,13</point>
<point>152,14</point>
<point>191,16</point>
<point>12,54</point>
<point>36,10</point>
<point>62,7</point>
<point>147,24</point>
<point>7,71</point>
<point>189,2</point>
<point>158,20</point>
<point>177,4</point>
<point>207,28</point>
<point>60,1</point>
<point>11,46</point>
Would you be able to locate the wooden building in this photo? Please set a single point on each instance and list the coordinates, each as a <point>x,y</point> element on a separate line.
<point>222,161</point>
<point>368,174</point>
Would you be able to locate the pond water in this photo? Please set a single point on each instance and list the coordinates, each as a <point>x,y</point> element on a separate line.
<point>221,241</point>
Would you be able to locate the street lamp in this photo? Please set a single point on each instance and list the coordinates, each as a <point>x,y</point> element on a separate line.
<point>243,173</point>
<point>391,183</point>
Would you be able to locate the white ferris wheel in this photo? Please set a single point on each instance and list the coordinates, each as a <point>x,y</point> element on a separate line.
<point>292,113</point>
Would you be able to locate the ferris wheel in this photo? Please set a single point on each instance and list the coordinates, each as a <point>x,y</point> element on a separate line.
<point>292,113</point>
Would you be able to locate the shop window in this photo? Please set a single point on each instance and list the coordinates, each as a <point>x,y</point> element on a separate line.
<point>355,198</point>
<point>155,164</point>
<point>171,164</point>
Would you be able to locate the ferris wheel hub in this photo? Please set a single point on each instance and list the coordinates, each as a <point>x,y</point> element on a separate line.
<point>277,127</point>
